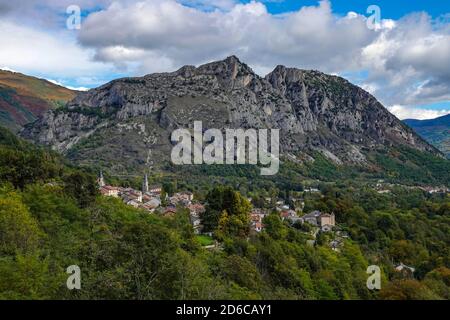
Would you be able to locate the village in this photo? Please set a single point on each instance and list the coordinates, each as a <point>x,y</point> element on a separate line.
<point>150,199</point>
<point>311,224</point>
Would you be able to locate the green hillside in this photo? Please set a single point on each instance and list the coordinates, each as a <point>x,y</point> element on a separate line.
<point>52,217</point>
<point>23,98</point>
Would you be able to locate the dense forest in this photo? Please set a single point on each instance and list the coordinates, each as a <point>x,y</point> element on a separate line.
<point>51,217</point>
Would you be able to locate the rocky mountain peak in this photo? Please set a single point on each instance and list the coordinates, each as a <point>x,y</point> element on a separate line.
<point>186,71</point>
<point>313,110</point>
<point>230,71</point>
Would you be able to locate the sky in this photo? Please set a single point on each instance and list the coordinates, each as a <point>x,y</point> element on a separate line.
<point>398,50</point>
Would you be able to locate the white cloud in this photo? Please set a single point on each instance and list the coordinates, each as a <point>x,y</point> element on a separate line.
<point>68,87</point>
<point>77,88</point>
<point>311,37</point>
<point>408,63</point>
<point>404,112</point>
<point>45,13</point>
<point>7,69</point>
<point>406,60</point>
<point>33,51</point>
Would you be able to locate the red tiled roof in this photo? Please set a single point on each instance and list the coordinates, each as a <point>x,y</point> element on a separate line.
<point>110,188</point>
<point>284,214</point>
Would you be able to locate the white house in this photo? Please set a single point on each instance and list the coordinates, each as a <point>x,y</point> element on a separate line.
<point>403,267</point>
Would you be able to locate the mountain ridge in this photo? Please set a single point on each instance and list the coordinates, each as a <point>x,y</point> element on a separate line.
<point>24,98</point>
<point>134,116</point>
<point>435,131</point>
<point>441,120</point>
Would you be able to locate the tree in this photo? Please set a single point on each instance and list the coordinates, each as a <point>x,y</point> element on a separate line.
<point>275,227</point>
<point>164,198</point>
<point>407,290</point>
<point>26,276</point>
<point>168,188</point>
<point>82,187</point>
<point>222,199</point>
<point>242,272</point>
<point>19,231</point>
<point>438,281</point>
<point>404,251</point>
<point>23,167</point>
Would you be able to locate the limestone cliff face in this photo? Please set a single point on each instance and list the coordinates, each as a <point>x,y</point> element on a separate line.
<point>135,116</point>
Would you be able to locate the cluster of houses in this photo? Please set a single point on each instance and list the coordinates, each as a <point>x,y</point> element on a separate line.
<point>325,221</point>
<point>149,198</point>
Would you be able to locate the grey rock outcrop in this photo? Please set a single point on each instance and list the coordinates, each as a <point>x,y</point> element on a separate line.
<point>314,112</point>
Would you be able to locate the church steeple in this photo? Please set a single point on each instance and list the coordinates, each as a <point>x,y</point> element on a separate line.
<point>145,184</point>
<point>101,180</point>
